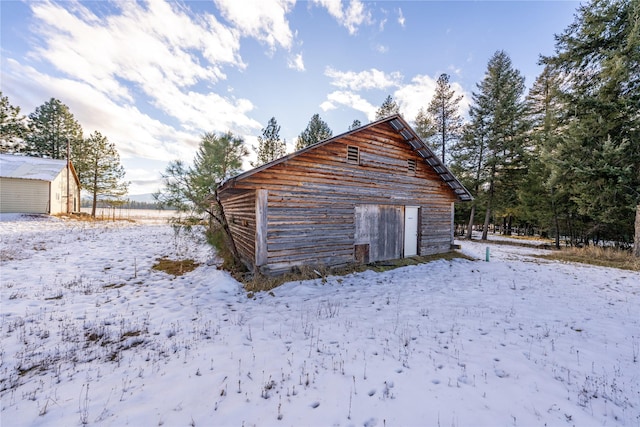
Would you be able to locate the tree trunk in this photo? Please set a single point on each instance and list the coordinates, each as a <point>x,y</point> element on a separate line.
<point>485,227</point>
<point>94,188</point>
<point>487,215</point>
<point>636,240</point>
<point>556,222</point>
<point>94,203</point>
<point>471,215</point>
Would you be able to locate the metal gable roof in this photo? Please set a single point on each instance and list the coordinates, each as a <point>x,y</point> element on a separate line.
<point>403,129</point>
<point>24,167</point>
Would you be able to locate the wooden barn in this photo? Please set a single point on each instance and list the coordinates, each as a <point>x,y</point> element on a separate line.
<point>37,185</point>
<point>372,194</point>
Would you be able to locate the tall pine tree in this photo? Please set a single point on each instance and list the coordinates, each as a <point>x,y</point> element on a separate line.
<point>13,128</point>
<point>194,190</point>
<point>599,57</point>
<point>317,130</point>
<point>355,124</point>
<point>543,196</point>
<point>97,163</point>
<point>388,108</point>
<point>469,160</point>
<point>495,137</point>
<point>51,125</point>
<point>425,126</point>
<point>444,111</point>
<point>270,146</point>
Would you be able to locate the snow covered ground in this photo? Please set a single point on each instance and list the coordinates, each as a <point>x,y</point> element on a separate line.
<point>91,335</point>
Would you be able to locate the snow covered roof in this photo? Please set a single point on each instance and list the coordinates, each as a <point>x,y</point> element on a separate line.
<point>23,167</point>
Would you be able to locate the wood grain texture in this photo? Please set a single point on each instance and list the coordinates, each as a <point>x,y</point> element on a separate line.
<point>312,197</point>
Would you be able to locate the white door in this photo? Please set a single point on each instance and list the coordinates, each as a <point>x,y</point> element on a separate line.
<point>410,231</point>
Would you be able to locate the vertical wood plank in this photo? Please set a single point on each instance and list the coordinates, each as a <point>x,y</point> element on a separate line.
<point>261,227</point>
<point>453,221</point>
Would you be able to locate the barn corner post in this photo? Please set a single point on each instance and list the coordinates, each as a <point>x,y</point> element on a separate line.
<point>261,253</point>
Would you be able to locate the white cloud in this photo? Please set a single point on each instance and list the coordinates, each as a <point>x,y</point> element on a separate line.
<point>401,19</point>
<point>380,48</point>
<point>350,17</point>
<point>410,97</point>
<point>157,41</point>
<point>368,79</point>
<point>208,111</point>
<point>457,71</point>
<point>134,133</point>
<point>381,25</point>
<point>415,95</point>
<point>327,106</point>
<point>158,48</point>
<point>351,100</point>
<point>296,63</point>
<point>419,92</point>
<point>264,20</point>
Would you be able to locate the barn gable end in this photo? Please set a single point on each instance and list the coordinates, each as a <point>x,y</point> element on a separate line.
<point>348,199</point>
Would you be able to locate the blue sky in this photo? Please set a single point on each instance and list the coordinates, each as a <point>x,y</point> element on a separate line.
<point>154,76</point>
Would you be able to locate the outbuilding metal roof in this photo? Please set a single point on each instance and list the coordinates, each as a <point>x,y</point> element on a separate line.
<point>24,167</point>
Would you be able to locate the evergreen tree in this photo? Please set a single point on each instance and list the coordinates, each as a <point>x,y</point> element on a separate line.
<point>355,125</point>
<point>424,125</point>
<point>13,127</point>
<point>270,146</point>
<point>388,108</point>
<point>194,190</point>
<point>51,125</point>
<point>444,111</point>
<point>469,159</point>
<point>317,130</point>
<point>543,196</point>
<point>97,164</point>
<point>497,130</point>
<point>598,56</point>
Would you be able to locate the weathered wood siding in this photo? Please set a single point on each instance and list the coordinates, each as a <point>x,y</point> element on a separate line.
<point>241,215</point>
<point>437,233</point>
<point>380,227</point>
<point>312,197</point>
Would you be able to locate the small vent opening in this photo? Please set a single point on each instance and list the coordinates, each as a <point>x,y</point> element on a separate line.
<point>411,166</point>
<point>353,154</point>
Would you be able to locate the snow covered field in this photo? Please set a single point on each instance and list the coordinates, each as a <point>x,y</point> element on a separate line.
<point>91,335</point>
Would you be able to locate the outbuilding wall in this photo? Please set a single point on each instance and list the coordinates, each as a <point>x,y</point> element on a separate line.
<point>241,215</point>
<point>24,196</point>
<point>38,196</point>
<point>311,199</point>
<point>59,194</point>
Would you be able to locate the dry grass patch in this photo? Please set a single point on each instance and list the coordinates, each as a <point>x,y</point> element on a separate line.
<point>596,255</point>
<point>86,217</point>
<point>259,282</point>
<point>175,267</point>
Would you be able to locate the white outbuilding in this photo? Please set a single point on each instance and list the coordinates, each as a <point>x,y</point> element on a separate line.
<point>38,185</point>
